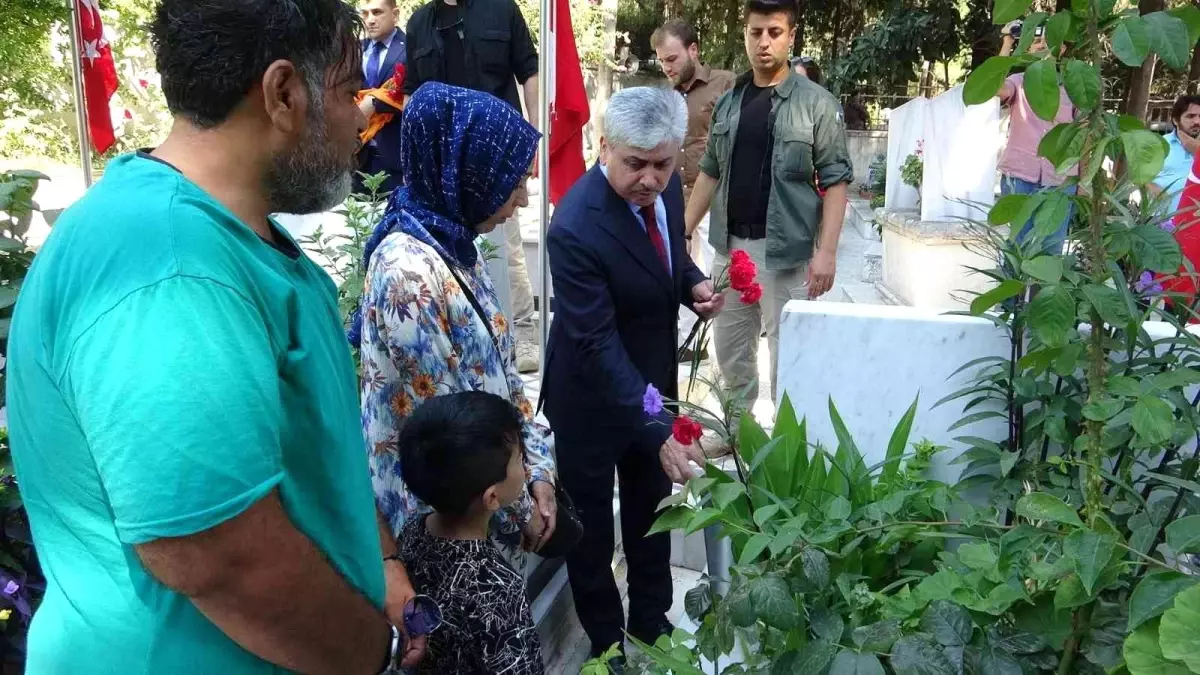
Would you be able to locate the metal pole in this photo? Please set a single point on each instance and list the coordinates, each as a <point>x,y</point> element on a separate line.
<point>546,85</point>
<point>85,141</point>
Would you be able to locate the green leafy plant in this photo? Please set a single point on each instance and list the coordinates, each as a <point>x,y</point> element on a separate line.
<point>341,254</point>
<point>1093,477</point>
<point>912,171</point>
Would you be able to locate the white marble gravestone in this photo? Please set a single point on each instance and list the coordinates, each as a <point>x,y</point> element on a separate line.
<point>962,145</point>
<point>906,126</point>
<point>873,360</point>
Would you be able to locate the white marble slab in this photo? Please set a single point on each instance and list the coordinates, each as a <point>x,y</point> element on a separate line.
<point>873,360</point>
<point>906,126</point>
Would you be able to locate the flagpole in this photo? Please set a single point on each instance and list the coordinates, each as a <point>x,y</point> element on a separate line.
<point>545,84</point>
<point>85,141</point>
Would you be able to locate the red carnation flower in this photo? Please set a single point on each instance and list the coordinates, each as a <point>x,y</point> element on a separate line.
<point>742,275</point>
<point>752,294</point>
<point>739,256</point>
<point>686,430</point>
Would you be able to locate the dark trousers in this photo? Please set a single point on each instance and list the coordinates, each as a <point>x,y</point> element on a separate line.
<point>586,466</point>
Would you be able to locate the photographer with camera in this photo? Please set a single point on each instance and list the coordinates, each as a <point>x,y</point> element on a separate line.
<point>1022,170</point>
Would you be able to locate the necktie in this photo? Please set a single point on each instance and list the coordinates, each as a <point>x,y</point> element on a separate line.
<point>655,236</point>
<point>373,64</point>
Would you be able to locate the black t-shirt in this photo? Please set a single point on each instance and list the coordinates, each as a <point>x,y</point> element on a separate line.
<point>450,27</point>
<point>750,165</point>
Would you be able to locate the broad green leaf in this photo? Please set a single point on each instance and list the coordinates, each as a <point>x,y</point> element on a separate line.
<point>702,519</point>
<point>1082,81</point>
<point>949,623</point>
<point>673,519</point>
<point>1110,303</point>
<point>1030,24</point>
<point>853,663</point>
<point>1191,17</point>
<point>1183,535</point>
<point>1041,88</point>
<point>1051,147</point>
<point>1006,208</point>
<point>697,602</point>
<point>1104,409</point>
<point>1091,552</point>
<point>773,602</point>
<point>914,655</point>
<point>1155,594</point>
<point>1131,41</point>
<point>940,585</point>
<point>1156,249</point>
<point>986,80</point>
<point>1146,152</point>
<point>1045,268</point>
<point>1008,460</point>
<point>1070,593</point>
<point>1051,315</point>
<point>1144,656</point>
<point>8,297</point>
<point>754,548</point>
<point>838,509</point>
<point>1042,506</point>
<point>1009,288</point>
<point>763,514</point>
<point>1095,161</point>
<point>814,565</point>
<point>1009,10</point>
<point>978,556</point>
<point>1057,27</point>
<point>1169,38</point>
<point>741,610</point>
<point>1180,377</point>
<point>813,659</point>
<point>827,624</point>
<point>1002,637</point>
<point>1153,420</point>
<point>1179,632</point>
<point>877,637</point>
<point>997,662</point>
<point>1051,214</point>
<point>727,493</point>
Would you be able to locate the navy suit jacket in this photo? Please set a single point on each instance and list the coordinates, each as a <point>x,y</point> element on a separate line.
<point>616,312</point>
<point>384,154</point>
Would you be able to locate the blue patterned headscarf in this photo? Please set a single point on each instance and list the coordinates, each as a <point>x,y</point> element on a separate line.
<point>464,152</point>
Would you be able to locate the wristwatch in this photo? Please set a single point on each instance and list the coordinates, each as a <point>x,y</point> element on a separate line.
<point>392,660</point>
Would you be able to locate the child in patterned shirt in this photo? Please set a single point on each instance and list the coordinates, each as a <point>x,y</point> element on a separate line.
<point>462,455</point>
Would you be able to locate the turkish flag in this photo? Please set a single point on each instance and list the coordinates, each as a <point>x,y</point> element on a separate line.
<point>99,74</point>
<point>569,110</point>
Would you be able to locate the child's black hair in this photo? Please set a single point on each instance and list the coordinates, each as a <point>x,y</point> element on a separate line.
<point>454,447</point>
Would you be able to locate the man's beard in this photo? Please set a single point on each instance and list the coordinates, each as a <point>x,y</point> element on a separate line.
<point>311,177</point>
<point>687,72</point>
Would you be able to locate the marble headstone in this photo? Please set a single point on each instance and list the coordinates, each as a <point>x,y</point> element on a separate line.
<point>873,361</point>
<point>906,126</point>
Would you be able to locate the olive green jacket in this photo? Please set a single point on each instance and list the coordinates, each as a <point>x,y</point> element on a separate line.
<point>809,148</point>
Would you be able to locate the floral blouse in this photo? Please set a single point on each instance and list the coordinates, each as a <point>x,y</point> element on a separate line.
<point>422,338</point>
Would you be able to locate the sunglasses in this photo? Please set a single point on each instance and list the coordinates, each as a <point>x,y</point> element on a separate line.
<point>422,616</point>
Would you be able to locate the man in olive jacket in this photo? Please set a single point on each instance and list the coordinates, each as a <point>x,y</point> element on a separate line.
<point>777,144</point>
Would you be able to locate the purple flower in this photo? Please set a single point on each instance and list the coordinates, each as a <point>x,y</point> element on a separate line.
<point>1147,285</point>
<point>652,401</point>
<point>1168,225</point>
<point>11,588</point>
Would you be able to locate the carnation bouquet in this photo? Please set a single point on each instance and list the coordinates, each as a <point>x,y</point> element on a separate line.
<point>740,275</point>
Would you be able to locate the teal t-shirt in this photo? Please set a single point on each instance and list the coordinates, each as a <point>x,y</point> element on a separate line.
<point>167,369</point>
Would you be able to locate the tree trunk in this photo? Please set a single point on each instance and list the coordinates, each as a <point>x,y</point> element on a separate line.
<point>604,74</point>
<point>673,9</point>
<point>1137,100</point>
<point>801,10</point>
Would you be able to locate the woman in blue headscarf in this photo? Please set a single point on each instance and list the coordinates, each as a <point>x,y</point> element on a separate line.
<point>430,322</point>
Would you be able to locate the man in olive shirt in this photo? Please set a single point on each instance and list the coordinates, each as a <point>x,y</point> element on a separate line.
<point>774,137</point>
<point>678,51</point>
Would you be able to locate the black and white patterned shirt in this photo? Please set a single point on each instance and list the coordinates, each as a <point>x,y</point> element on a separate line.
<point>487,627</point>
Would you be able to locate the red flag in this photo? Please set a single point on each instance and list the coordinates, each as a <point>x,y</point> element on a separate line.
<point>99,74</point>
<point>569,110</point>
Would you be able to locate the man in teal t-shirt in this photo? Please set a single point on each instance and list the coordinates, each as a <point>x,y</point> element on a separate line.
<point>183,406</point>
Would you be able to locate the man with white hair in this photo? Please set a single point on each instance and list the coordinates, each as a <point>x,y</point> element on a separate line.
<point>621,270</point>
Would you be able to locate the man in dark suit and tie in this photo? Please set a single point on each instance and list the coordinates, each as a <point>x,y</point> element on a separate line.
<point>621,270</point>
<point>383,48</point>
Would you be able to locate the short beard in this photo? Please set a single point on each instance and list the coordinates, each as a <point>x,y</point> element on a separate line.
<point>311,177</point>
<point>687,72</point>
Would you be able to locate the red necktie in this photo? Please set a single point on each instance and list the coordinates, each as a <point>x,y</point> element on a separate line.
<point>655,235</point>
